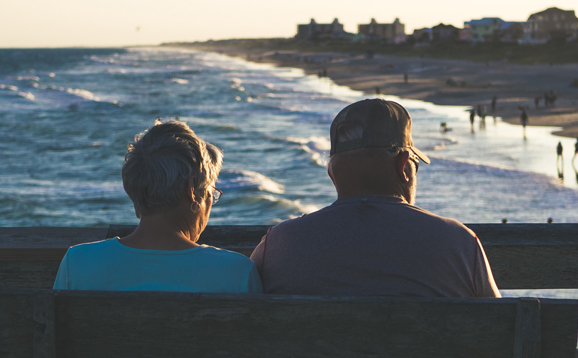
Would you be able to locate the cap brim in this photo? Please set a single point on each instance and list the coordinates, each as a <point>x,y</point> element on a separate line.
<point>421,156</point>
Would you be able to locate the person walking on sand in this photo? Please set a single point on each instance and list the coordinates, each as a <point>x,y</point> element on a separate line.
<point>472,118</point>
<point>553,97</point>
<point>524,120</point>
<point>482,115</point>
<point>494,100</point>
<point>559,158</point>
<point>546,100</point>
<point>537,101</point>
<point>560,161</point>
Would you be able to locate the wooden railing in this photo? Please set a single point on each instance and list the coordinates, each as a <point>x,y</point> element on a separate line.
<point>522,256</point>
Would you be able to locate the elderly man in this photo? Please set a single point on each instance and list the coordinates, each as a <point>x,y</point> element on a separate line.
<point>373,240</point>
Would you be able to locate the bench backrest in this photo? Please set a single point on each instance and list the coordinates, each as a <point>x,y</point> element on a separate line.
<point>87,324</point>
<point>522,256</point>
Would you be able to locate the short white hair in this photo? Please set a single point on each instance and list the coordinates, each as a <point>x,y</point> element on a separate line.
<point>161,161</point>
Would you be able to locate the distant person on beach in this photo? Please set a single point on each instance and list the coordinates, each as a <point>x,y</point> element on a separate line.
<point>169,174</point>
<point>472,118</point>
<point>482,115</point>
<point>559,157</point>
<point>494,100</point>
<point>524,120</point>
<point>373,240</point>
<point>537,101</point>
<point>546,99</point>
<point>377,91</point>
<point>553,96</point>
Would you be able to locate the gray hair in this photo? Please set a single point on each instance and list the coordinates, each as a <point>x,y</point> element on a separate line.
<point>161,161</point>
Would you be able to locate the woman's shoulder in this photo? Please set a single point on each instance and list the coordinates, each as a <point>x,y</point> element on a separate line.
<point>224,254</point>
<point>93,247</point>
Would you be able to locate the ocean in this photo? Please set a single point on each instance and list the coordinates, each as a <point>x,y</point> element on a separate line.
<point>67,115</point>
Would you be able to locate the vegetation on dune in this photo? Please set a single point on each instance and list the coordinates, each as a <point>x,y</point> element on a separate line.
<point>560,52</point>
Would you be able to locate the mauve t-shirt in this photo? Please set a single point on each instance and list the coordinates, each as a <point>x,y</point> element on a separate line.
<point>374,245</point>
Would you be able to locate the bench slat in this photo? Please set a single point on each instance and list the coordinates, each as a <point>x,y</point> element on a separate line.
<point>167,324</point>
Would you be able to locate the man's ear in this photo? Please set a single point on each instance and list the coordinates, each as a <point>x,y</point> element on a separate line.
<point>402,159</point>
<point>330,172</point>
<point>136,211</point>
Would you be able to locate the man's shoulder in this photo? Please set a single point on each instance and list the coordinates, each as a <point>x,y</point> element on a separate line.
<point>406,214</point>
<point>306,220</point>
<point>438,221</point>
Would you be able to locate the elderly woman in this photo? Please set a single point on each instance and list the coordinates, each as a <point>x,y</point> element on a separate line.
<point>169,173</point>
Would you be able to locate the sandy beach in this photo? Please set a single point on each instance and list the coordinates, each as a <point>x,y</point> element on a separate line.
<point>444,82</point>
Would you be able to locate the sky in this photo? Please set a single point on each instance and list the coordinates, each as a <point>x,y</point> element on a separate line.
<point>102,23</point>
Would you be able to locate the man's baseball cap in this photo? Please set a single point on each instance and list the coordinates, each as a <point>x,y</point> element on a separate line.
<point>383,124</point>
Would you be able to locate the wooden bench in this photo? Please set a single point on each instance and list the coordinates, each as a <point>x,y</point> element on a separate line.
<point>47,324</point>
<point>38,322</point>
<point>522,256</point>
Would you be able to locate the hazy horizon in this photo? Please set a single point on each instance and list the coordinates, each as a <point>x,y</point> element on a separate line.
<point>69,23</point>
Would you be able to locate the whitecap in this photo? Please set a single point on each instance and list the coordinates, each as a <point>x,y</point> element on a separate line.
<point>27,78</point>
<point>83,94</point>
<point>247,178</point>
<point>27,95</point>
<point>314,142</point>
<point>180,80</point>
<point>291,204</point>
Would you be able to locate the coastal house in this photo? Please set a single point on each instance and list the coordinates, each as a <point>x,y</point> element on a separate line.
<point>313,30</point>
<point>391,33</point>
<point>445,33</point>
<point>484,28</point>
<point>422,36</point>
<point>550,24</point>
<point>491,29</point>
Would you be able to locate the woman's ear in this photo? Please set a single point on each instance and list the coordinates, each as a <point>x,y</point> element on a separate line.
<point>403,172</point>
<point>191,189</point>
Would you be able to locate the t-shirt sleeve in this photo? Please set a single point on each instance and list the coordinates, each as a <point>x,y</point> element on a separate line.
<point>61,282</point>
<point>258,254</point>
<point>254,281</point>
<point>485,285</point>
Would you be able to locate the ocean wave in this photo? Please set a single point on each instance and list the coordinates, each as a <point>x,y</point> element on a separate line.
<point>8,87</point>
<point>317,147</point>
<point>246,179</point>
<point>295,205</point>
<point>179,81</point>
<point>27,78</point>
<point>83,94</point>
<point>27,95</point>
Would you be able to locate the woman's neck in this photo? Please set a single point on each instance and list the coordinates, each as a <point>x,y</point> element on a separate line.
<point>166,231</point>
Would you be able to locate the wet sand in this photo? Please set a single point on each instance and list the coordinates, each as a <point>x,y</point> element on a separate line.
<point>444,82</point>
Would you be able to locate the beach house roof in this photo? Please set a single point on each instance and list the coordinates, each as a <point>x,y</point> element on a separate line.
<point>549,23</point>
<point>315,30</point>
<point>393,33</point>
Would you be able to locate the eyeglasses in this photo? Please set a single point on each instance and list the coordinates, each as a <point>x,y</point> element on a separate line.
<point>216,195</point>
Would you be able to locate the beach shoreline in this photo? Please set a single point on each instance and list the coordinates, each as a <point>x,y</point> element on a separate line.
<point>440,81</point>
